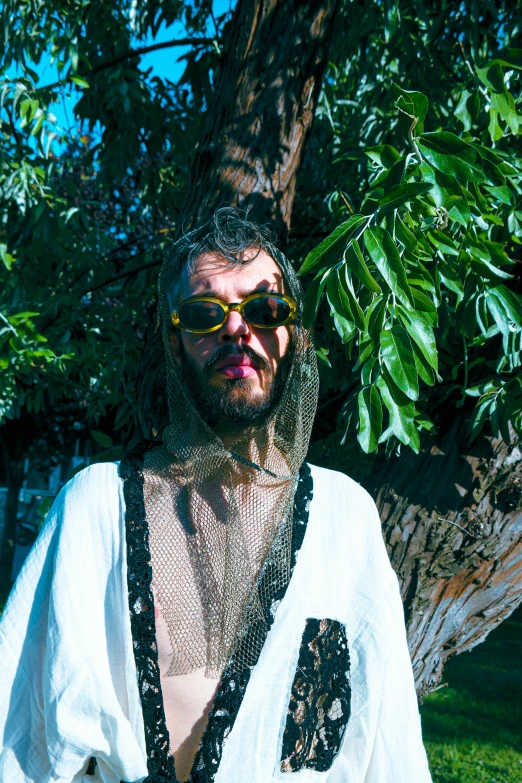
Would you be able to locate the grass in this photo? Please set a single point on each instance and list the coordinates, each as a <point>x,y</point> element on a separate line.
<point>473,728</point>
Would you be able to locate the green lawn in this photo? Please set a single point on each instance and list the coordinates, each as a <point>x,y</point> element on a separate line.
<point>473,728</point>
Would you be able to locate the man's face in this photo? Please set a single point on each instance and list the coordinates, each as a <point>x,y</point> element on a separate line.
<point>236,374</point>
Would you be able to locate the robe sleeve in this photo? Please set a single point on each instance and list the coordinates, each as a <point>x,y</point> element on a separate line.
<point>398,752</point>
<point>64,657</point>
<point>393,727</point>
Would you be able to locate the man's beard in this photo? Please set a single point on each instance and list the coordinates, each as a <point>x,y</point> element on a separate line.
<point>232,405</point>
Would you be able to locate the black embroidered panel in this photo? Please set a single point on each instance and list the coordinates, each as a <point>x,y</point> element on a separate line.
<point>319,706</point>
<point>233,681</point>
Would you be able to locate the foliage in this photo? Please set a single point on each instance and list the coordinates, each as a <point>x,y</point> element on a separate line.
<point>424,225</point>
<point>86,210</point>
<point>420,277</point>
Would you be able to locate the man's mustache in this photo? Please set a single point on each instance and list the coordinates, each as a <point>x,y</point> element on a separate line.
<point>230,350</point>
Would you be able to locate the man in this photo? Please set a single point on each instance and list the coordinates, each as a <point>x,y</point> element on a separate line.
<point>214,609</point>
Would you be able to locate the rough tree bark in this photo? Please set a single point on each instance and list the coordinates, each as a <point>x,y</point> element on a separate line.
<point>251,145</point>
<point>451,517</point>
<point>452,522</point>
<point>252,142</point>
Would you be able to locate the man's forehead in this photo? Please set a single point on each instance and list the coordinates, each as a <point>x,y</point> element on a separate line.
<point>212,274</point>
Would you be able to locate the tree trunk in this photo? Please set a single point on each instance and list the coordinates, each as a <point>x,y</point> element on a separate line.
<point>266,93</point>
<point>252,141</point>
<point>452,522</point>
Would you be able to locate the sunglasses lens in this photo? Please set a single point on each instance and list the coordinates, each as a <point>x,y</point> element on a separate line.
<point>200,315</point>
<point>267,311</point>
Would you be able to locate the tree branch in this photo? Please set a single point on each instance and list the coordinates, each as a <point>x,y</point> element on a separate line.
<point>118,277</point>
<point>129,55</point>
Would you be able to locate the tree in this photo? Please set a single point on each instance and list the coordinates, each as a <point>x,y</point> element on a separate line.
<point>252,142</point>
<point>411,180</point>
<point>431,360</point>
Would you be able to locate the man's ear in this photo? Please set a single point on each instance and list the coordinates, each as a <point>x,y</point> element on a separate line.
<point>175,341</point>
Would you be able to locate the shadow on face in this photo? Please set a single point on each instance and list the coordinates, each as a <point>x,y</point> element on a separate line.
<point>236,372</point>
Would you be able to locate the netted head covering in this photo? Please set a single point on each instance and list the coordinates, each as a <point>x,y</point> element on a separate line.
<point>214,511</point>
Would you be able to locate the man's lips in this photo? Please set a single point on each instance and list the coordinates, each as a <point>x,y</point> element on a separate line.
<point>241,366</point>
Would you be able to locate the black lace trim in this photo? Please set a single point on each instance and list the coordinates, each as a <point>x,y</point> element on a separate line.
<point>319,706</point>
<point>160,761</point>
<point>233,681</point>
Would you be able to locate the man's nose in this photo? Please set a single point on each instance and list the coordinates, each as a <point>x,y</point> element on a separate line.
<point>234,328</point>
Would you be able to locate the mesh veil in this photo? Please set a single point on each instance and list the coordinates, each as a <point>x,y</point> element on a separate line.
<point>214,513</point>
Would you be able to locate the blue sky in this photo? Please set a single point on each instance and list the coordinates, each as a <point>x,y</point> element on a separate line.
<point>164,63</point>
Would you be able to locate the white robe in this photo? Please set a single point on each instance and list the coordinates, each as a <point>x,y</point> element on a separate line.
<point>68,684</point>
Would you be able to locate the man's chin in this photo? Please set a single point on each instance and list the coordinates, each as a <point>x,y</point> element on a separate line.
<point>231,403</point>
<point>239,402</point>
<point>243,392</point>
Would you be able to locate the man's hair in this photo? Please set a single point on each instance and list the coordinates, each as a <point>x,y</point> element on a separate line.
<point>228,234</point>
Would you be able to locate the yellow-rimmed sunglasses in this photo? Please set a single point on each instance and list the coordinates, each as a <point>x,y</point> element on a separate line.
<point>203,314</point>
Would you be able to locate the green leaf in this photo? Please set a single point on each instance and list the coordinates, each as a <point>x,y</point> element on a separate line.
<point>481,415</point>
<point>395,175</point>
<point>512,303</point>
<point>415,441</point>
<point>322,355</point>
<point>105,441</point>
<point>499,314</point>
<point>501,193</point>
<point>486,269</point>
<point>443,242</point>
<point>468,108</point>
<point>355,261</point>
<point>419,328</point>
<point>504,104</point>
<point>452,156</point>
<point>450,278</point>
<point>370,418</point>
<point>374,318</point>
<point>367,370</point>
<point>445,188</point>
<point>406,237</point>
<point>80,82</point>
<point>7,259</point>
<point>401,417</point>
<point>313,296</point>
<point>510,57</point>
<point>462,110</point>
<point>386,258</point>
<point>452,202</point>
<point>337,296</point>
<point>493,77</point>
<point>498,253</point>
<point>384,154</point>
<point>425,305</point>
<point>414,104</point>
<point>331,249</point>
<point>397,355</point>
<point>38,124</point>
<point>481,389</point>
<point>494,129</point>
<point>493,157</point>
<point>355,307</point>
<point>401,194</point>
<point>340,307</point>
<point>419,276</point>
<point>366,348</point>
<point>424,369</point>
